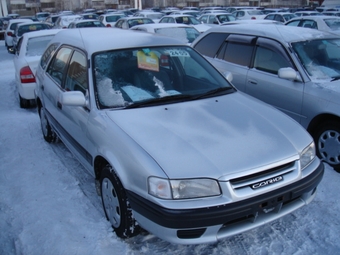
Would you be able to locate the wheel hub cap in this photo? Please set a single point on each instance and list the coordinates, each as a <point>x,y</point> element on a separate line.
<point>329,147</point>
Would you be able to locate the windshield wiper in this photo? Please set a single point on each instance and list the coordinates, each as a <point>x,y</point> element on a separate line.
<point>335,78</point>
<point>214,92</point>
<point>161,100</point>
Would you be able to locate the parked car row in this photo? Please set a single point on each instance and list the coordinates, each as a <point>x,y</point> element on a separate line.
<point>191,135</point>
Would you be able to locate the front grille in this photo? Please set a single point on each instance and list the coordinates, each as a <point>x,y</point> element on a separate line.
<point>246,181</point>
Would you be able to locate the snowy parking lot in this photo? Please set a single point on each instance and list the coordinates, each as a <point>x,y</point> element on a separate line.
<point>48,203</point>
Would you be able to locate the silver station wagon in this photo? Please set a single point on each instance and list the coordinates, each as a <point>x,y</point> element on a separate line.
<point>296,70</point>
<point>173,147</point>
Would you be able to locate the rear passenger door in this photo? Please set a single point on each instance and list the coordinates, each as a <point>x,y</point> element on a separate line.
<point>67,72</point>
<point>235,56</point>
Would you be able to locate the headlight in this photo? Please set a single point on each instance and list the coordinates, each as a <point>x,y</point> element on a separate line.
<point>183,189</point>
<point>307,155</point>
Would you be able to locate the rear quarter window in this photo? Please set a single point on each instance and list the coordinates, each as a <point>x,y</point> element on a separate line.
<point>210,44</point>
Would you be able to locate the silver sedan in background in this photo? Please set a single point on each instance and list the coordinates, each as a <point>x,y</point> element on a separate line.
<point>295,69</point>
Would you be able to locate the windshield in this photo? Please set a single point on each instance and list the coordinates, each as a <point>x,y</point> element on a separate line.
<point>320,58</point>
<point>155,75</point>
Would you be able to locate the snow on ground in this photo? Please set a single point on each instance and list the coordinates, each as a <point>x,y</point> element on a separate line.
<point>48,203</point>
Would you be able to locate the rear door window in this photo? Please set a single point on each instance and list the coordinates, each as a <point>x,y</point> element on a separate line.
<point>238,49</point>
<point>210,44</point>
<point>58,65</point>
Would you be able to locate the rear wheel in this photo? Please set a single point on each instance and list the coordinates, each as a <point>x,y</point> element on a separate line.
<point>46,129</point>
<point>327,141</point>
<point>23,102</point>
<point>116,206</point>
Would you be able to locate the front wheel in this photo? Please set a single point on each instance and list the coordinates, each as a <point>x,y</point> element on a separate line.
<point>327,141</point>
<point>116,205</point>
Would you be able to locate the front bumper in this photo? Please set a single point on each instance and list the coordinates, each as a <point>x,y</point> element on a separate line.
<point>203,225</point>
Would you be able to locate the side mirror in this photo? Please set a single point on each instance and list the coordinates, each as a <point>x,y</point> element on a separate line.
<point>73,98</point>
<point>289,74</point>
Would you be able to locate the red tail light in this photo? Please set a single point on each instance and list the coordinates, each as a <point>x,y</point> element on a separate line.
<point>108,25</point>
<point>26,75</point>
<point>9,33</point>
<point>253,17</point>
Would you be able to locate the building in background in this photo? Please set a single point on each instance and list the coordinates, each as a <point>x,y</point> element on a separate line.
<point>3,8</point>
<point>29,7</point>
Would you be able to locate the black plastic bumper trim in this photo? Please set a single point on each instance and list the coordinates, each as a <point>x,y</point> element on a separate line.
<point>202,217</point>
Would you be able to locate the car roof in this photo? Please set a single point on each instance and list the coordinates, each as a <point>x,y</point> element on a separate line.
<point>253,21</point>
<point>178,15</point>
<point>18,20</point>
<point>30,23</point>
<point>84,21</point>
<point>217,14</point>
<point>278,32</point>
<point>160,25</point>
<point>70,16</point>
<point>133,17</point>
<point>101,39</point>
<point>41,33</point>
<point>112,14</point>
<point>316,18</point>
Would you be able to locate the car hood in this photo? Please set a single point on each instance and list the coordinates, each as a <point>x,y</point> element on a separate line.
<point>329,85</point>
<point>214,137</point>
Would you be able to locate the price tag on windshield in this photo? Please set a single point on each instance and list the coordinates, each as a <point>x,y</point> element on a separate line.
<point>178,53</point>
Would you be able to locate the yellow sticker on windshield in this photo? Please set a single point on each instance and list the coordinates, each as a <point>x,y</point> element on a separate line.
<point>32,28</point>
<point>148,61</point>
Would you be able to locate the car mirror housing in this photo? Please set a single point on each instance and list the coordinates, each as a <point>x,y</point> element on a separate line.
<point>289,74</point>
<point>73,98</point>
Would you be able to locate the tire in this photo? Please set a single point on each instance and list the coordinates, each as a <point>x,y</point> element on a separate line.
<point>116,206</point>
<point>23,102</point>
<point>46,129</point>
<point>327,142</point>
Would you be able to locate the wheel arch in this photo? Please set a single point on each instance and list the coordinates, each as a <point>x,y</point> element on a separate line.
<point>322,118</point>
<point>39,104</point>
<point>99,163</point>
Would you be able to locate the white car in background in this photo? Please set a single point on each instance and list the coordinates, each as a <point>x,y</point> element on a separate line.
<point>29,50</point>
<point>110,19</point>
<point>325,23</point>
<point>64,21</point>
<point>187,20</point>
<point>180,31</point>
<point>155,16</point>
<point>12,24</point>
<point>249,14</point>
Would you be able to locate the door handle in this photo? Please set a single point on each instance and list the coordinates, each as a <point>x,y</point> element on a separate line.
<point>252,82</point>
<point>59,105</point>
